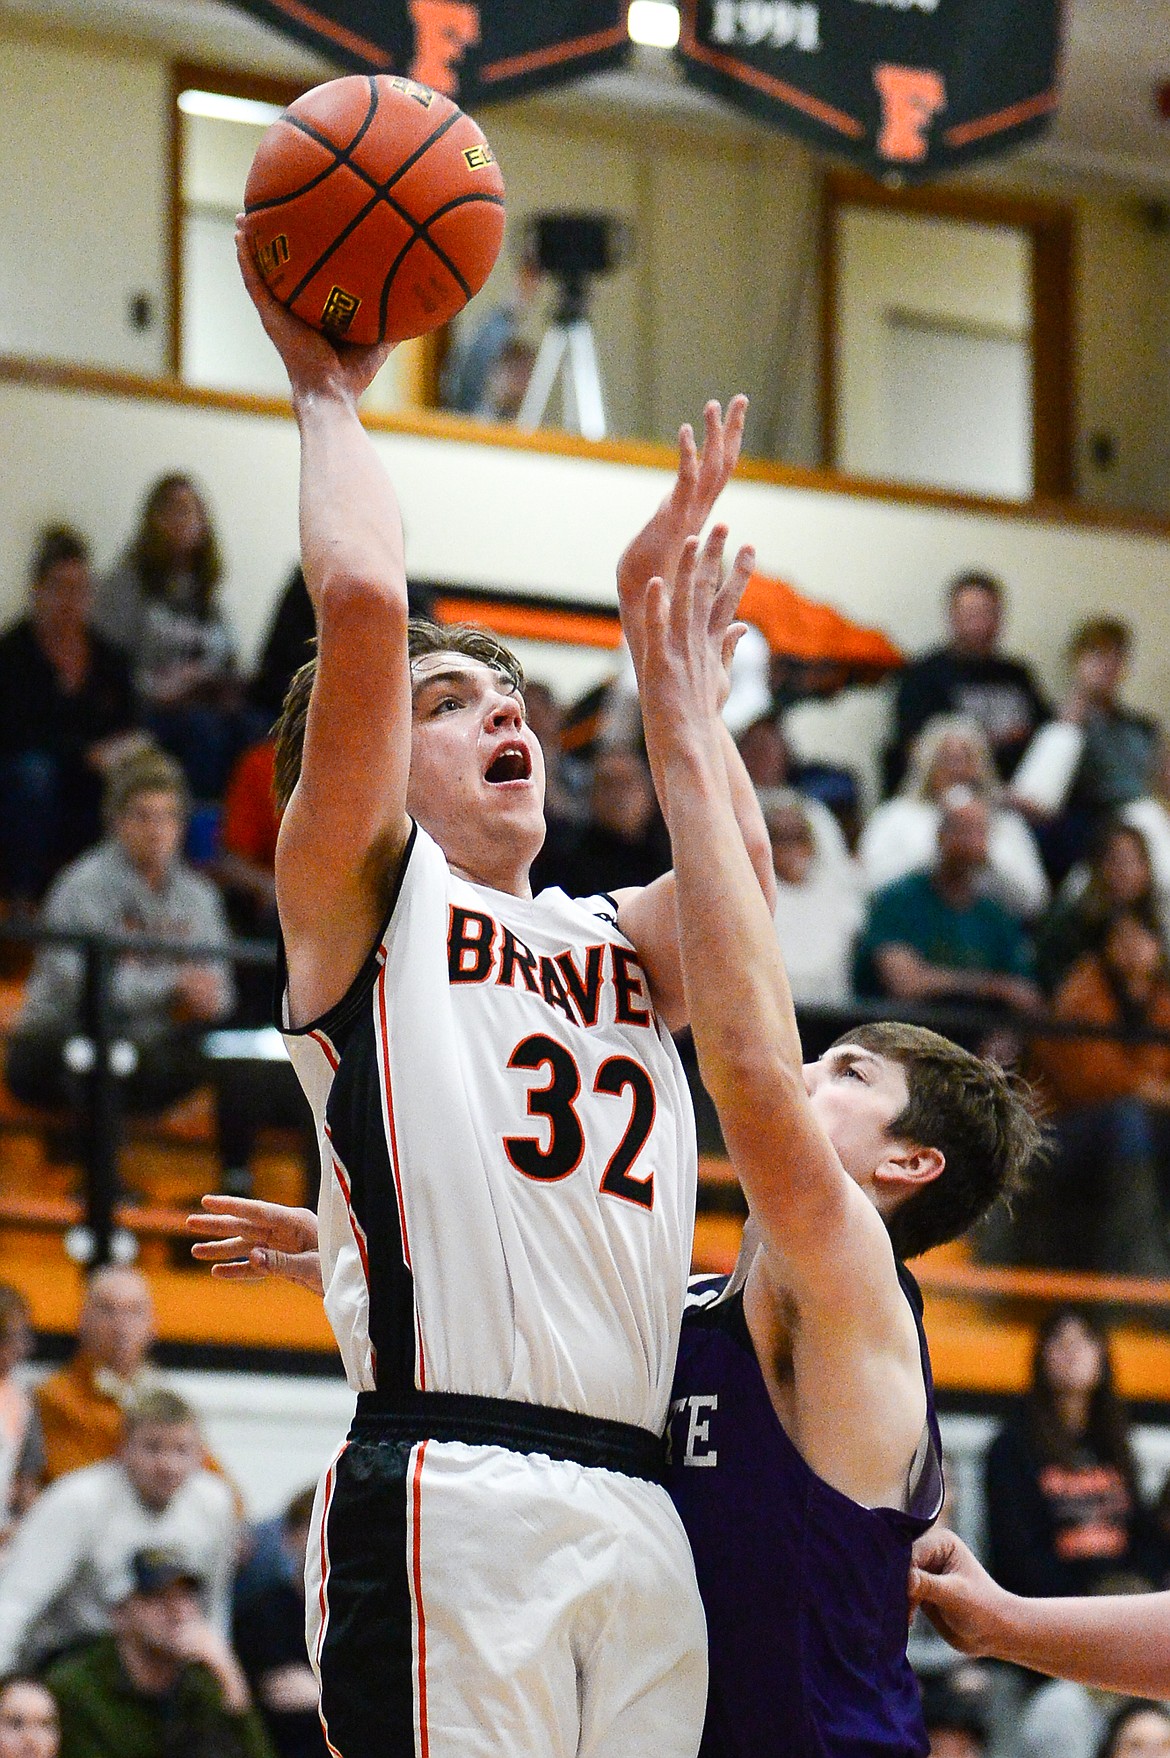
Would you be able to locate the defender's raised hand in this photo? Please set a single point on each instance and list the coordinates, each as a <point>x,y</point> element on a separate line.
<point>252,1241</point>
<point>701,478</point>
<point>688,634</point>
<point>312,360</point>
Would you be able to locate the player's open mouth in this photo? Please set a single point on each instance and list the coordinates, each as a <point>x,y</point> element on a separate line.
<point>511,763</point>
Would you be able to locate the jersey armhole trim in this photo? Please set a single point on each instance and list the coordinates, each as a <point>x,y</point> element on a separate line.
<point>340,1014</point>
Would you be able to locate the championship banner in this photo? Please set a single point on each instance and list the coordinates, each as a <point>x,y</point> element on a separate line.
<point>908,88</point>
<point>471,50</point>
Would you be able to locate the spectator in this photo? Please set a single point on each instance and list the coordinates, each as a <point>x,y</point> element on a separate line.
<point>164,1683</point>
<point>1150,817</point>
<point>1103,1201</point>
<point>624,841</point>
<point>270,1640</point>
<point>289,644</point>
<point>66,711</point>
<point>245,865</point>
<point>82,1406</point>
<point>29,1724</point>
<point>565,809</point>
<point>160,606</point>
<point>956,1724</point>
<point>507,380</point>
<point>1137,1730</point>
<point>467,372</point>
<point>818,901</point>
<point>60,1578</point>
<point>1063,1506</point>
<point>935,935</point>
<point>1096,757</point>
<point>969,676</point>
<point>1118,877</point>
<point>135,883</point>
<point>951,753</point>
<point>22,1446</point>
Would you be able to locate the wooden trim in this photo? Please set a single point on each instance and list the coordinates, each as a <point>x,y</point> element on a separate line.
<point>1053,362</point>
<point>1056,1286</point>
<point>828,325</point>
<point>177,149</point>
<point>642,454</point>
<point>1049,226</point>
<point>266,88</point>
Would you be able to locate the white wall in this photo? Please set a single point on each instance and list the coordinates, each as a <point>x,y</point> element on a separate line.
<point>83,203</point>
<point>494,515</point>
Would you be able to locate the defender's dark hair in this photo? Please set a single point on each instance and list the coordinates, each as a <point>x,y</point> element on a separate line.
<point>422,638</point>
<point>982,1119</point>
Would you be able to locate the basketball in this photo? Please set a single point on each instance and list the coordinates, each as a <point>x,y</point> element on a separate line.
<point>374,208</point>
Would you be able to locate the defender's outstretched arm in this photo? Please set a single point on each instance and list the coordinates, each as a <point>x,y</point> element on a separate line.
<point>827,1258</point>
<point>647,916</point>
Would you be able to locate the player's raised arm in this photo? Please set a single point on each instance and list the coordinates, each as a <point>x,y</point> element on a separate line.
<point>647,916</point>
<point>345,826</point>
<point>1117,1643</point>
<point>828,1257</point>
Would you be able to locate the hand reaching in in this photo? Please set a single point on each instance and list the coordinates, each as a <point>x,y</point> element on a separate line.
<point>956,1593</point>
<point>252,1241</point>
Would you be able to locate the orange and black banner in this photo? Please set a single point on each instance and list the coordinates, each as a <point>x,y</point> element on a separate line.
<point>472,50</point>
<point>906,88</point>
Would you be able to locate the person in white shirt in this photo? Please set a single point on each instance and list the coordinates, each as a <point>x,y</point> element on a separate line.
<point>952,753</point>
<point>819,907</point>
<point>70,1554</point>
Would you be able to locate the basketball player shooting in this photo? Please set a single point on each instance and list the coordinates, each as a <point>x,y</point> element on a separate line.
<point>508,1165</point>
<point>805,1453</point>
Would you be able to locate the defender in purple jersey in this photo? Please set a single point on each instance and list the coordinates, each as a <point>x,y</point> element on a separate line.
<point>804,1454</point>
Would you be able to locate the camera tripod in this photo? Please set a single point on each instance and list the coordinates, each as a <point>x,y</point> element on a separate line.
<point>568,352</point>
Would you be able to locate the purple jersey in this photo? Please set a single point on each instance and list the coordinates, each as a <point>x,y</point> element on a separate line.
<point>804,1590</point>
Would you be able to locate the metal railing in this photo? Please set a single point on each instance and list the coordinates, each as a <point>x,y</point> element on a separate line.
<point>97,1047</point>
<point>98,1053</point>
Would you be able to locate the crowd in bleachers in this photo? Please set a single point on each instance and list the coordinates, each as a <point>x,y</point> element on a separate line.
<point>1020,864</point>
<point>1019,867</point>
<point>143,1616</point>
<point>140,1615</point>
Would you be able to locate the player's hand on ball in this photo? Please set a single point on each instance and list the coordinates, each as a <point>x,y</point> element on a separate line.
<point>313,361</point>
<point>251,1241</point>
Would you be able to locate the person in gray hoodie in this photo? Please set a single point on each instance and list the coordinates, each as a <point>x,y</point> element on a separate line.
<point>134,882</point>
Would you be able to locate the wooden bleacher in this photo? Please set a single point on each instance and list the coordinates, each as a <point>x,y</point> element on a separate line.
<point>980,1321</point>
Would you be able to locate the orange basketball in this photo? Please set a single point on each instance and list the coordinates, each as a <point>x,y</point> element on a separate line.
<point>374,207</point>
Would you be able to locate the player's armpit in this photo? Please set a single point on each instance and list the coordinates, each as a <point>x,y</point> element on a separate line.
<point>858,1398</point>
<point>647,916</point>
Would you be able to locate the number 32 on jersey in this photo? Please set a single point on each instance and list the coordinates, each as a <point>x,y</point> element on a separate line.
<point>556,1103</point>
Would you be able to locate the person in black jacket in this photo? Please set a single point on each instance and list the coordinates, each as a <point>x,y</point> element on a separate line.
<point>968,675</point>
<point>66,712</point>
<point>1064,1509</point>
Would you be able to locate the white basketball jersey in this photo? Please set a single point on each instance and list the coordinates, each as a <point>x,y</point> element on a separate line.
<point>508,1154</point>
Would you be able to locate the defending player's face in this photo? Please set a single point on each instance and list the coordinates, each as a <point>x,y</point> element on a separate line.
<point>476,768</point>
<point>856,1095</point>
